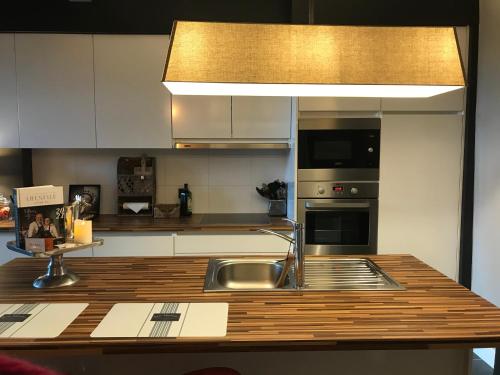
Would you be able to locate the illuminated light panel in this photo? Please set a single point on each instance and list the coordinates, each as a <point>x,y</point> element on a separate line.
<point>213,58</point>
<point>375,91</point>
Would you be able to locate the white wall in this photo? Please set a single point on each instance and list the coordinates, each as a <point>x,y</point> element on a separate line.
<point>486,250</point>
<point>221,181</point>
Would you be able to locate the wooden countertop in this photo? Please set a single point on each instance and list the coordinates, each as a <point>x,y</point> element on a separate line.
<point>7,225</point>
<point>433,311</point>
<point>114,223</point>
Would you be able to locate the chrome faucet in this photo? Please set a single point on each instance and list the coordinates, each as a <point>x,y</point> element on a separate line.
<point>297,242</point>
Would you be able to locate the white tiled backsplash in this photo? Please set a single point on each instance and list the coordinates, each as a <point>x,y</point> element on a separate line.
<point>221,181</point>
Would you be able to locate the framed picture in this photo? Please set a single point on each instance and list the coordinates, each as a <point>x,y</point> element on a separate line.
<point>90,193</point>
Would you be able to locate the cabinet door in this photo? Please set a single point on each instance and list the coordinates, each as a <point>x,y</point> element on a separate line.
<point>420,188</point>
<point>261,117</point>
<point>9,120</point>
<point>338,104</point>
<point>448,102</point>
<point>56,90</point>
<point>227,244</point>
<point>201,116</point>
<point>132,105</point>
<point>141,244</point>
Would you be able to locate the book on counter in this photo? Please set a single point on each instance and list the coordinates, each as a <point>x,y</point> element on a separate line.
<point>39,217</point>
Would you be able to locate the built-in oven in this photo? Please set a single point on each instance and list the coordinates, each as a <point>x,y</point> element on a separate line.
<point>339,217</point>
<point>338,149</point>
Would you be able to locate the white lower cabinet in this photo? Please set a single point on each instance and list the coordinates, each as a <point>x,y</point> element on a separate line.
<point>141,244</point>
<point>229,244</point>
<point>6,254</point>
<point>144,244</point>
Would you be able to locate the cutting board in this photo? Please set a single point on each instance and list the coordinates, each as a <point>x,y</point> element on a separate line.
<point>37,320</point>
<point>164,320</point>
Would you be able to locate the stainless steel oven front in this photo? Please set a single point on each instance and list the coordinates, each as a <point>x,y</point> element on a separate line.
<point>339,217</point>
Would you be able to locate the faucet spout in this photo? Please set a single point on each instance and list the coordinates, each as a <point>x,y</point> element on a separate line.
<point>298,253</point>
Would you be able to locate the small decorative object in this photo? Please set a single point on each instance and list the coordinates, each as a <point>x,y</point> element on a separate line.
<point>39,245</point>
<point>82,231</point>
<point>40,231</point>
<point>276,192</point>
<point>136,179</point>
<point>4,208</point>
<point>69,221</point>
<point>185,198</point>
<point>163,211</point>
<point>277,207</point>
<point>39,213</point>
<point>91,195</point>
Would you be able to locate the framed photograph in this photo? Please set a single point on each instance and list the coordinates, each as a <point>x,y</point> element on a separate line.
<point>90,193</point>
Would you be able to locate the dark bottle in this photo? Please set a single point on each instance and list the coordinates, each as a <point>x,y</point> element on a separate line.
<point>185,198</point>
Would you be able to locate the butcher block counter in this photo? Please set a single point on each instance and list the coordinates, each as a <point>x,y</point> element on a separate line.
<point>193,223</point>
<point>432,312</point>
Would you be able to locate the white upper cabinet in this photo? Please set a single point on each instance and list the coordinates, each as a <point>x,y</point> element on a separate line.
<point>9,120</point>
<point>338,104</point>
<point>448,102</point>
<point>201,116</point>
<point>55,80</point>
<point>261,117</point>
<point>132,105</point>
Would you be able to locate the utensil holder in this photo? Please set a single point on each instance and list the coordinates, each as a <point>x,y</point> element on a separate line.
<point>277,207</point>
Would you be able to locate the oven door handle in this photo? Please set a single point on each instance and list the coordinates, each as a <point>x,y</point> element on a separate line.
<point>327,206</point>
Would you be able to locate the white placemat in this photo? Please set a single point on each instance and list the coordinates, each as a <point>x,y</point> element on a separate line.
<point>37,320</point>
<point>164,320</point>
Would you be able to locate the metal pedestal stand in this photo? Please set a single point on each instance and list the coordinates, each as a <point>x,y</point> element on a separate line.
<point>57,274</point>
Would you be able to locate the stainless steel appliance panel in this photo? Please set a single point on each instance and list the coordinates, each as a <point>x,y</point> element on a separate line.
<point>337,190</point>
<point>338,123</point>
<point>338,174</point>
<point>339,226</point>
<point>339,149</point>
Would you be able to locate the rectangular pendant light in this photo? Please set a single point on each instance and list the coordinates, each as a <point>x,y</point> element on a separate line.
<point>210,58</point>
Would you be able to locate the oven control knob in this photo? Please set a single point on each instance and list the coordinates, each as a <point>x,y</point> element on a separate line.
<point>321,190</point>
<point>370,149</point>
<point>354,190</point>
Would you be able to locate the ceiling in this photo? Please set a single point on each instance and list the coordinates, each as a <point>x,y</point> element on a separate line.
<point>156,16</point>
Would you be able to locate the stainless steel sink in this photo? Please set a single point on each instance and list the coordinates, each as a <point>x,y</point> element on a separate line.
<point>245,274</point>
<point>320,274</point>
<point>347,274</point>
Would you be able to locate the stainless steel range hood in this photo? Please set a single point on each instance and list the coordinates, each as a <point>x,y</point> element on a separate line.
<point>231,146</point>
<point>211,58</point>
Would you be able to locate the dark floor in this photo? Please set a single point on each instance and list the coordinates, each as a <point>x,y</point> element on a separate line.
<point>480,367</point>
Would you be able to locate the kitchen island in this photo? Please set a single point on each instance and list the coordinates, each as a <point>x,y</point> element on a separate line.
<point>433,312</point>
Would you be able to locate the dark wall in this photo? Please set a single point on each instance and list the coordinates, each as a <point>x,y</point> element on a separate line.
<point>156,16</point>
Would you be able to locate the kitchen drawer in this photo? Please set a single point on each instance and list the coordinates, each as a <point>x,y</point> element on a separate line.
<point>229,244</point>
<point>142,244</point>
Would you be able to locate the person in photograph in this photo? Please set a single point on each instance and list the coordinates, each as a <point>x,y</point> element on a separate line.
<point>36,228</point>
<point>49,228</point>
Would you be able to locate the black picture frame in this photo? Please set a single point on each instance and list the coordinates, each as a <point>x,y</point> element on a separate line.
<point>92,195</point>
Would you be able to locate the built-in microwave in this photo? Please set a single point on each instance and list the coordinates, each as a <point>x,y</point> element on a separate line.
<point>338,149</point>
